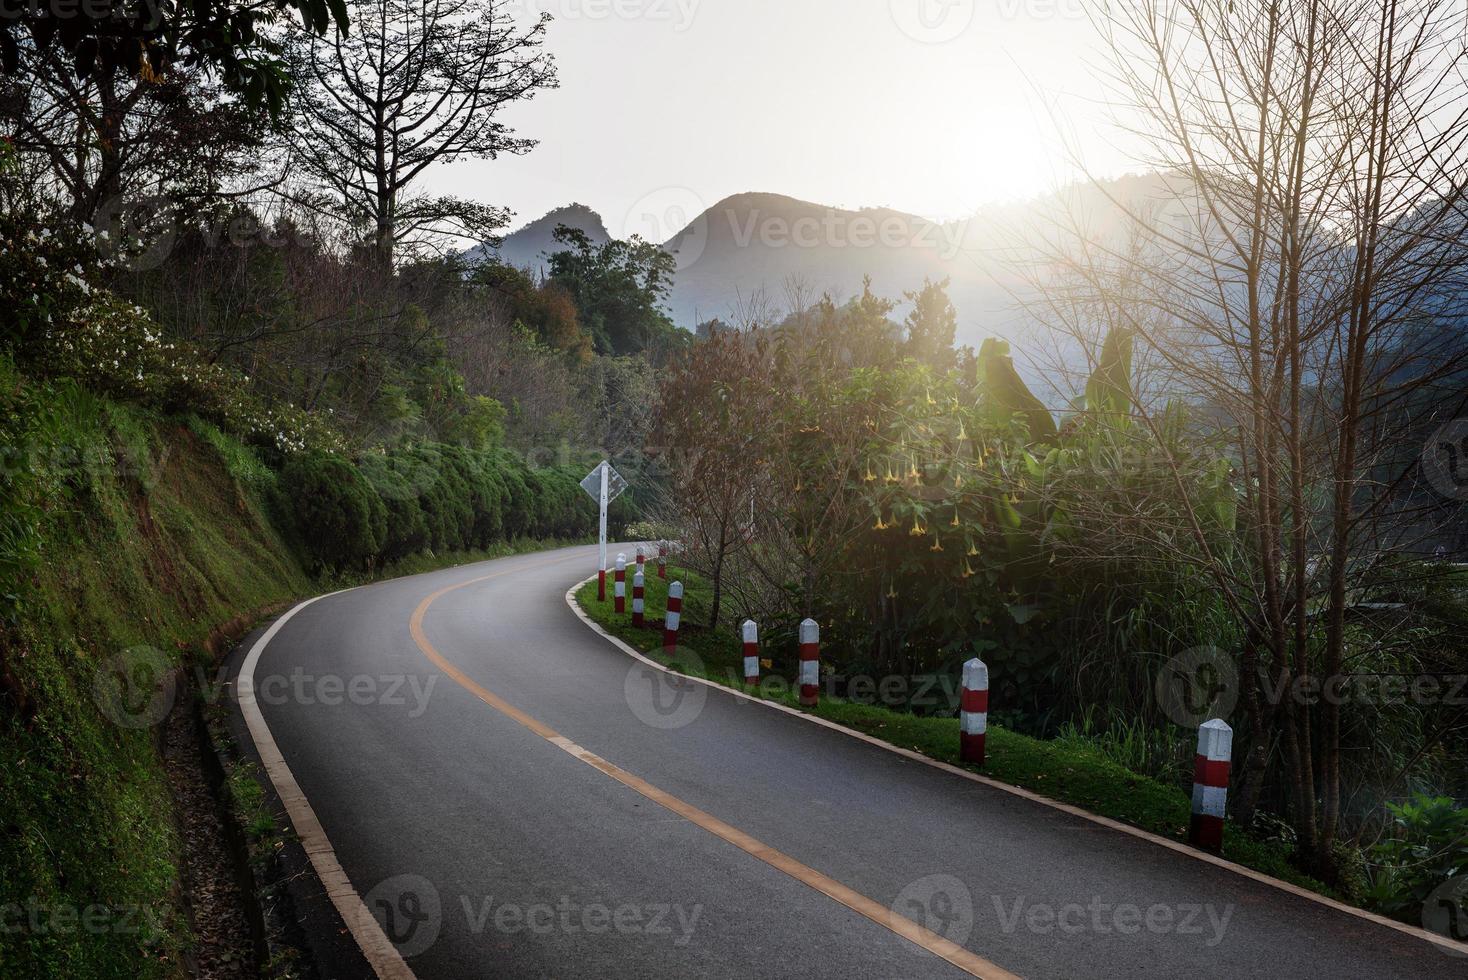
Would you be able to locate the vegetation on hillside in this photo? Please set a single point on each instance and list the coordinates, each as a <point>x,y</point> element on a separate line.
<point>925,507</point>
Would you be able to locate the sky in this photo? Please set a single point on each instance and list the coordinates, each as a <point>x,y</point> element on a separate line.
<point>665,107</point>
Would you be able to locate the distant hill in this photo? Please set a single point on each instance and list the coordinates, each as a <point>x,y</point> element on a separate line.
<point>528,247</point>
<point>767,243</point>
<point>770,242</point>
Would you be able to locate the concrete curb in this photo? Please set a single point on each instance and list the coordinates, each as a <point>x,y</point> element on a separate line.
<point>1442,942</point>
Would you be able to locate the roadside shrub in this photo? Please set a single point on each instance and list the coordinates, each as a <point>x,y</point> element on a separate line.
<point>394,480</point>
<point>1427,845</point>
<point>338,515</point>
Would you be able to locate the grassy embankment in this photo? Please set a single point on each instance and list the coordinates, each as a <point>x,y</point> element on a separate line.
<point>1066,771</point>
<point>158,544</point>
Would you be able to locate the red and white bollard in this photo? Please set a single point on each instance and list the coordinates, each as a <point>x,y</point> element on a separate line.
<point>1210,784</point>
<point>637,598</point>
<point>810,663</point>
<point>674,614</point>
<point>973,712</point>
<point>662,560</point>
<point>641,557</point>
<point>751,652</point>
<point>619,588</point>
<point>601,585</point>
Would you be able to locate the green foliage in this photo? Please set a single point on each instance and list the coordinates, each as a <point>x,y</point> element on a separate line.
<point>72,331</point>
<point>144,41</point>
<point>338,515</point>
<point>21,419</point>
<point>931,325</point>
<point>1006,395</point>
<point>1109,388</point>
<point>392,503</point>
<point>1427,844</point>
<point>150,542</point>
<point>547,309</point>
<point>618,287</point>
<point>1073,770</point>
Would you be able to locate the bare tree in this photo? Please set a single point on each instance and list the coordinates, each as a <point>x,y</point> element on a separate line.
<point>1301,247</point>
<point>99,143</point>
<point>415,83</point>
<point>711,430</point>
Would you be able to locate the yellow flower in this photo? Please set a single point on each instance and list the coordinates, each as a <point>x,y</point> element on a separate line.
<point>962,433</point>
<point>912,470</point>
<point>917,529</point>
<point>957,480</point>
<point>879,526</point>
<point>891,592</point>
<point>954,522</point>
<point>972,551</point>
<point>937,545</point>
<point>869,476</point>
<point>968,572</point>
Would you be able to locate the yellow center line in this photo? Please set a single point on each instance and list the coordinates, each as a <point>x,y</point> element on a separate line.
<point>880,914</point>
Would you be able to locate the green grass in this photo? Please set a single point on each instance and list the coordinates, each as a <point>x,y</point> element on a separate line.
<point>1067,770</point>
<point>157,533</point>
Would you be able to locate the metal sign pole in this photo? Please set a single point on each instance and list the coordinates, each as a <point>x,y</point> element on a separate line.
<point>602,558</point>
<point>603,484</point>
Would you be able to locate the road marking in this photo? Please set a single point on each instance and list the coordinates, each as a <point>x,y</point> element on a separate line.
<point>880,914</point>
<point>381,954</point>
<point>1443,942</point>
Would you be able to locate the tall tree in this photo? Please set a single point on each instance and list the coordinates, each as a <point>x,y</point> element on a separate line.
<point>101,142</point>
<point>618,287</point>
<point>1303,240</point>
<point>147,40</point>
<point>931,324</point>
<point>416,83</point>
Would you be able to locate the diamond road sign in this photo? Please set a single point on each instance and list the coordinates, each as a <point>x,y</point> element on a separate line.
<point>615,483</point>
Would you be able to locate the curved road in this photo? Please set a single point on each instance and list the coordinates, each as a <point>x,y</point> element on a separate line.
<point>514,796</point>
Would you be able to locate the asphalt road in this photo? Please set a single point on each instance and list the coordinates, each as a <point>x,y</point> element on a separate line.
<point>488,849</point>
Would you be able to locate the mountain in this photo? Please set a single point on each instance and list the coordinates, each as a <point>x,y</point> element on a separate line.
<point>752,251</point>
<point>528,247</point>
<point>756,242</point>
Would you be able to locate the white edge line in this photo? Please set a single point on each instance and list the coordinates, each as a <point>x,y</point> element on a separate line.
<point>383,957</point>
<point>1454,948</point>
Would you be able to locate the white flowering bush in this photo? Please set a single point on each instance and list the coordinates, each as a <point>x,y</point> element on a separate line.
<point>68,328</point>
<point>43,276</point>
